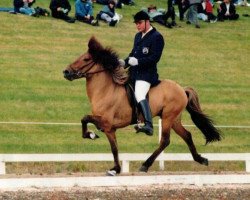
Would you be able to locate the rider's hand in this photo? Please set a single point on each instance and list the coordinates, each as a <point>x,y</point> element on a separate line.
<point>65,10</point>
<point>132,61</point>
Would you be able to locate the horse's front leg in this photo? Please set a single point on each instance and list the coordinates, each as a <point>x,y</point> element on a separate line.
<point>113,144</point>
<point>90,119</point>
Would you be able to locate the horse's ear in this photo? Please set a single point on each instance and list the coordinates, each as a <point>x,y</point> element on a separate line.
<point>94,45</point>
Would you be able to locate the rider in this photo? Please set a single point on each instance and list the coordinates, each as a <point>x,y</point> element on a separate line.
<point>146,52</point>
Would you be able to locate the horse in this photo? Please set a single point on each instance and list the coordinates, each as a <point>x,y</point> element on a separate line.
<point>111,109</point>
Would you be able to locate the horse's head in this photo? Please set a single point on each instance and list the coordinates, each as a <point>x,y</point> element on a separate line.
<point>84,65</point>
<point>79,68</point>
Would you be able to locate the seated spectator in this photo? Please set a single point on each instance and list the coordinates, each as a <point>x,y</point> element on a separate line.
<point>227,10</point>
<point>84,12</point>
<point>103,2</point>
<point>192,13</point>
<point>42,11</point>
<point>241,3</point>
<point>120,3</point>
<point>108,14</point>
<point>24,7</point>
<point>157,15</point>
<point>60,10</point>
<point>205,12</point>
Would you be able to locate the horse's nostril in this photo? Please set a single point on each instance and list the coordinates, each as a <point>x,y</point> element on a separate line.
<point>65,72</point>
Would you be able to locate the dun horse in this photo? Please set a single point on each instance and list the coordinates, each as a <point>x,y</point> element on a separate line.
<point>111,109</point>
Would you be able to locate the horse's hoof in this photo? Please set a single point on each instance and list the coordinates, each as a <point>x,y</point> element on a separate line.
<point>205,162</point>
<point>111,173</point>
<point>143,169</point>
<point>90,135</point>
<point>202,161</point>
<point>93,136</point>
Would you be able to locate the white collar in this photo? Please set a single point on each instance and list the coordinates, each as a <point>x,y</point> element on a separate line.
<point>143,34</point>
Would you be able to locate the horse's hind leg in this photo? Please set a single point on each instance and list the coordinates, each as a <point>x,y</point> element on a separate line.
<point>187,137</point>
<point>165,140</point>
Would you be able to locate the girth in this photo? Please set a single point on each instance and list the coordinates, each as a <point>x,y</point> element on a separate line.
<point>132,101</point>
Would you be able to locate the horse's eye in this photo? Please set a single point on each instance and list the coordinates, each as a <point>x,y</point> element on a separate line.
<point>86,59</point>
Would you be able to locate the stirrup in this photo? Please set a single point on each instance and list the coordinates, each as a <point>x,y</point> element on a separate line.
<point>145,129</point>
<point>136,126</point>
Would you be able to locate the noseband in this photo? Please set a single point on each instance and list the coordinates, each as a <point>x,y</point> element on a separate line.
<point>79,74</point>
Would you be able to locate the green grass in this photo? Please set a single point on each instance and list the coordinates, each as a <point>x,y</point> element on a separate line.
<point>34,51</point>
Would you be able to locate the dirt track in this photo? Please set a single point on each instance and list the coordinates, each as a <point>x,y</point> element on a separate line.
<point>153,192</point>
<point>177,192</point>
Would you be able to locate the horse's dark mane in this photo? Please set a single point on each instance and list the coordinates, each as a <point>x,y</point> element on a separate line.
<point>107,57</point>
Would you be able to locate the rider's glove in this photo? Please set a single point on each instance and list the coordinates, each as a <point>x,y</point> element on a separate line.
<point>132,61</point>
<point>65,10</point>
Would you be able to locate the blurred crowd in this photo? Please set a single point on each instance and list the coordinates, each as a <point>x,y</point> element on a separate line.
<point>192,11</point>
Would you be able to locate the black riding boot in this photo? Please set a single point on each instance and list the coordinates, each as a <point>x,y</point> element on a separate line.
<point>148,127</point>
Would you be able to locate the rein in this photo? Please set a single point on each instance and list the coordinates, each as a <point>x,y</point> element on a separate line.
<point>85,74</point>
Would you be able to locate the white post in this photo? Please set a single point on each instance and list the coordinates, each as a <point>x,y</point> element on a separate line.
<point>161,162</point>
<point>248,166</point>
<point>2,168</point>
<point>125,166</point>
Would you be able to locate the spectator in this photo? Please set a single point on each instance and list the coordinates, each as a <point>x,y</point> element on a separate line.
<point>120,3</point>
<point>24,7</point>
<point>108,13</point>
<point>227,10</point>
<point>60,10</point>
<point>205,12</point>
<point>192,13</point>
<point>182,6</point>
<point>171,13</point>
<point>84,12</point>
<point>157,15</point>
<point>103,2</point>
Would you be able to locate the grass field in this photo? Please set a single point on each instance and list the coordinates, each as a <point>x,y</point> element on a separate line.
<point>33,52</point>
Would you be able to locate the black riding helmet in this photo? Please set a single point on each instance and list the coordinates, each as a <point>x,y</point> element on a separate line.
<point>141,15</point>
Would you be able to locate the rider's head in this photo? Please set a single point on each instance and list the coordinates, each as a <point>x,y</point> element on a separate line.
<point>141,19</point>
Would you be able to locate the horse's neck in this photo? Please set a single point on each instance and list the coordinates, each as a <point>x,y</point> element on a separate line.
<point>99,86</point>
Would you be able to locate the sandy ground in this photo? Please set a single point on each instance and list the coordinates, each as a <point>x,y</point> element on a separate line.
<point>153,192</point>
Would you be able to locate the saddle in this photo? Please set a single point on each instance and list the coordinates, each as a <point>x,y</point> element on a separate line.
<point>129,87</point>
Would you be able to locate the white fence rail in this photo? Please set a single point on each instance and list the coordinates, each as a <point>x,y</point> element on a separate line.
<point>125,158</point>
<point>115,181</point>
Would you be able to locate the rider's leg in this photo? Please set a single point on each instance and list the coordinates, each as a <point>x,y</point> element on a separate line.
<point>141,90</point>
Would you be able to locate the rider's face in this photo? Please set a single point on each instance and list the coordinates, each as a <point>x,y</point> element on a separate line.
<point>141,25</point>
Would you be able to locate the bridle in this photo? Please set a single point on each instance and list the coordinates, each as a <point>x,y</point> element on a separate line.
<point>79,74</point>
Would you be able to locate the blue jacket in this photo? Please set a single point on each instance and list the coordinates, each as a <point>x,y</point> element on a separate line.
<point>19,3</point>
<point>83,8</point>
<point>148,51</point>
<point>106,9</point>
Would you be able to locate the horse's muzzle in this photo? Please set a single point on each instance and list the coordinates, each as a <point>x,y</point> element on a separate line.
<point>68,75</point>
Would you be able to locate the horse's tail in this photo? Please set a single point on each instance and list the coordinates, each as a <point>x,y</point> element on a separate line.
<point>201,120</point>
